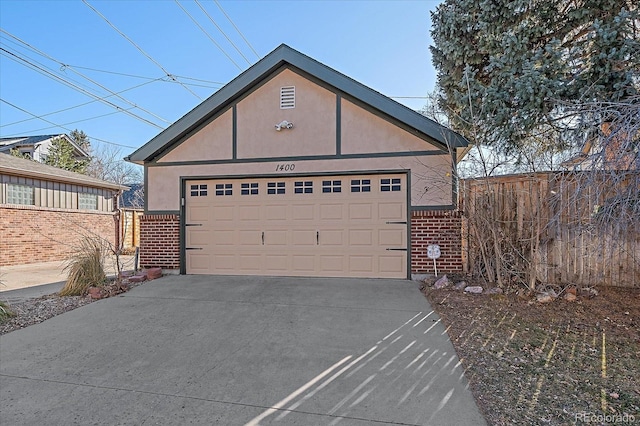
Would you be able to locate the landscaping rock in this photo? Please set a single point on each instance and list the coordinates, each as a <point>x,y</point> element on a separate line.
<point>460,286</point>
<point>570,297</point>
<point>474,289</point>
<point>153,273</point>
<point>125,274</point>
<point>545,297</point>
<point>138,278</point>
<point>494,290</point>
<point>441,283</point>
<point>95,293</point>
<point>572,290</point>
<point>589,292</point>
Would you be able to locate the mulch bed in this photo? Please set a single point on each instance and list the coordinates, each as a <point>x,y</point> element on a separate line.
<point>555,363</point>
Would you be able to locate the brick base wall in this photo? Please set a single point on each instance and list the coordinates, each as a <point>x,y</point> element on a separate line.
<point>33,234</point>
<point>160,241</point>
<point>441,227</point>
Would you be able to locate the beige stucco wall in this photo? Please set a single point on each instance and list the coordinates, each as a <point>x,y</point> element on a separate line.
<point>314,119</point>
<point>314,134</point>
<point>430,176</point>
<point>364,132</point>
<point>213,142</point>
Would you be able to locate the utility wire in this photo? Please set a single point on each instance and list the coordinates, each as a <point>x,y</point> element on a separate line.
<point>65,67</point>
<point>81,105</point>
<point>167,73</point>
<point>237,29</point>
<point>62,127</point>
<point>149,78</point>
<point>207,34</point>
<point>49,74</point>
<point>223,33</point>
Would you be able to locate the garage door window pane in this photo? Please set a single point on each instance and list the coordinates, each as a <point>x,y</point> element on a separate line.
<point>331,186</point>
<point>224,189</point>
<point>387,185</point>
<point>301,187</point>
<point>249,188</point>
<point>198,190</point>
<point>360,185</point>
<point>275,188</point>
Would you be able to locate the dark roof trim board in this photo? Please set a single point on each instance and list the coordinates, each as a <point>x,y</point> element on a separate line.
<point>283,55</point>
<point>16,166</point>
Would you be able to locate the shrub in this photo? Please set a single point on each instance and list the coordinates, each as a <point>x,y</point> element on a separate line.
<point>5,312</point>
<point>86,268</point>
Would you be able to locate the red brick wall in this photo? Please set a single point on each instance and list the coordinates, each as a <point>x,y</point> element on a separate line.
<point>160,241</point>
<point>31,234</point>
<point>441,227</point>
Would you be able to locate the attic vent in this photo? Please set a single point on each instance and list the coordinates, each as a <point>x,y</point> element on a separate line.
<point>288,97</point>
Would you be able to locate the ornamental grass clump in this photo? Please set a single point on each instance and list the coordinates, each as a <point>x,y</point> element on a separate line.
<point>85,268</point>
<point>5,312</point>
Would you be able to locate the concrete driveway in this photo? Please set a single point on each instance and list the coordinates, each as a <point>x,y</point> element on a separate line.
<point>239,350</point>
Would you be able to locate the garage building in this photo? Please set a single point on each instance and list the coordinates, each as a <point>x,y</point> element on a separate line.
<point>294,169</point>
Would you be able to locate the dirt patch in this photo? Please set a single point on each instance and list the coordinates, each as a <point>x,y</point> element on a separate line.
<point>547,363</point>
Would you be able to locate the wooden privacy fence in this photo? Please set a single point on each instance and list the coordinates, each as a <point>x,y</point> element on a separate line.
<point>578,228</point>
<point>130,228</point>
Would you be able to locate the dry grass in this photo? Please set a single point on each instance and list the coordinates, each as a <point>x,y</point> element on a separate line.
<point>85,268</point>
<point>5,312</point>
<point>548,364</point>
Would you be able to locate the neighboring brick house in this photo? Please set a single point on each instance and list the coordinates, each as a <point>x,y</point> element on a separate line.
<point>45,211</point>
<point>295,169</point>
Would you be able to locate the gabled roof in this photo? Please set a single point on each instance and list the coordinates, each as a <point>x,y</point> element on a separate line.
<point>17,166</point>
<point>8,143</point>
<point>285,55</point>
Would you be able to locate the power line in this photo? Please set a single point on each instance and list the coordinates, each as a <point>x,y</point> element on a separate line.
<point>62,127</point>
<point>65,124</point>
<point>65,67</point>
<point>167,73</point>
<point>55,77</point>
<point>81,105</point>
<point>237,29</point>
<point>223,33</point>
<point>207,34</point>
<point>149,78</point>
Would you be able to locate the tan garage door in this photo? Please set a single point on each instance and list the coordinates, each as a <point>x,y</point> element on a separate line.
<point>322,226</point>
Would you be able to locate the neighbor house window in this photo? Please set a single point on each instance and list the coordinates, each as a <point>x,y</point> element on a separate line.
<point>20,194</point>
<point>287,97</point>
<point>87,201</point>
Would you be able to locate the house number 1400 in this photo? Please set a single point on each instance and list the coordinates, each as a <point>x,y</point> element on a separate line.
<point>289,167</point>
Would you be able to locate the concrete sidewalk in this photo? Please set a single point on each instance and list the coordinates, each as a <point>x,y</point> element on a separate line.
<point>50,273</point>
<point>205,350</point>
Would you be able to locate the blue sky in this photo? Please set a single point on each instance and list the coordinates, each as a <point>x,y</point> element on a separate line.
<point>382,44</point>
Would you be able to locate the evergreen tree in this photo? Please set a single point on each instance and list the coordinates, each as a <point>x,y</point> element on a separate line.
<point>61,155</point>
<point>512,70</point>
